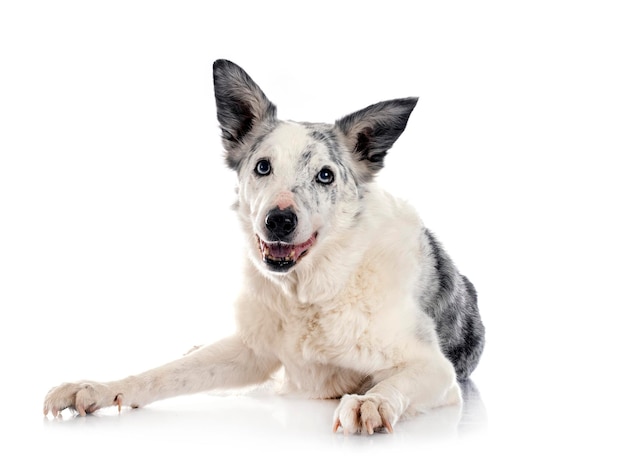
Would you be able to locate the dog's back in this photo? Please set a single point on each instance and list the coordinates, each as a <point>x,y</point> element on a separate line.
<point>451,300</point>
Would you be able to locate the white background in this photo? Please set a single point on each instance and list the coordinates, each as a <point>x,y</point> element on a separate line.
<point>118,250</point>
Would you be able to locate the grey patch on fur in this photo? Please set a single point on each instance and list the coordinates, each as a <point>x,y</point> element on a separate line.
<point>325,135</point>
<point>305,158</point>
<point>312,198</point>
<point>451,300</point>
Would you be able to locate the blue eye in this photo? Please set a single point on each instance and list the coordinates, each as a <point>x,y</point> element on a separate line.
<point>263,168</point>
<point>325,177</point>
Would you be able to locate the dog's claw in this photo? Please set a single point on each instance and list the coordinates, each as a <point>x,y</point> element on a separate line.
<point>387,424</point>
<point>118,401</point>
<point>369,427</point>
<point>336,425</point>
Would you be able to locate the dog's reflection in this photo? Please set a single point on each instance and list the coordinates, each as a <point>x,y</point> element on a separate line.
<point>474,412</point>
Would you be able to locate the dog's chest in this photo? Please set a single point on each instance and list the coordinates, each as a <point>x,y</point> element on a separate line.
<point>320,334</point>
<point>329,347</point>
<point>315,347</point>
<point>323,348</point>
<point>326,349</point>
<point>329,332</point>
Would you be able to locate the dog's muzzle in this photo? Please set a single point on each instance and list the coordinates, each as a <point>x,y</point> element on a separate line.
<point>278,252</point>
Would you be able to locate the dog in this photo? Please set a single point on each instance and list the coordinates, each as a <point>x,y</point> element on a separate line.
<point>345,291</point>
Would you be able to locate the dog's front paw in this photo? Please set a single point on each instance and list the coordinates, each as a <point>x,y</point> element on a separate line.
<point>364,413</point>
<point>83,397</point>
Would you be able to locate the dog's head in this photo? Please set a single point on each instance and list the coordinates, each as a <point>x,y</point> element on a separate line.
<point>300,184</point>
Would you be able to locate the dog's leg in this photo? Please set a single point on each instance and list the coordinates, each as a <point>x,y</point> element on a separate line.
<point>225,364</point>
<point>417,387</point>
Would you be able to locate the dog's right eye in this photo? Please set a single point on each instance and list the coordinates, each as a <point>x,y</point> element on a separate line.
<point>263,168</point>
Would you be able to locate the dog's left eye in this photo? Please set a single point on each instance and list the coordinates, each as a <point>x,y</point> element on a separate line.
<point>263,168</point>
<point>325,177</point>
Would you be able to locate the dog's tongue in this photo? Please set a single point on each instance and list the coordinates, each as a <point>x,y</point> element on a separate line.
<point>281,251</point>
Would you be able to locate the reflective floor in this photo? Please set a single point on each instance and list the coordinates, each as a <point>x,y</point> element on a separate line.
<point>259,427</point>
<point>245,427</point>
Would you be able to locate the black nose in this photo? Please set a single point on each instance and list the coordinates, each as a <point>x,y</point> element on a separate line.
<point>281,222</point>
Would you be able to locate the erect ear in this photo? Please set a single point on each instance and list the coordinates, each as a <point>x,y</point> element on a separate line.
<point>372,131</point>
<point>241,104</point>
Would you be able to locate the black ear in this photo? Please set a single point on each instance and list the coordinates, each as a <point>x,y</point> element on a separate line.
<point>241,104</point>
<point>373,130</point>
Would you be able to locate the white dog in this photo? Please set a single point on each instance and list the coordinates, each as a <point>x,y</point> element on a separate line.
<point>345,288</point>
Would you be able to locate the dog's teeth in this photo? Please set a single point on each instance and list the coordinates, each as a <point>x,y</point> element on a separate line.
<point>292,254</point>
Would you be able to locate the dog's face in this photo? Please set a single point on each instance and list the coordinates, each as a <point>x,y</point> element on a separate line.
<point>299,183</point>
<point>295,183</point>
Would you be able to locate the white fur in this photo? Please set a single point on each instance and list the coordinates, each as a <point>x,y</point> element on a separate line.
<point>344,323</point>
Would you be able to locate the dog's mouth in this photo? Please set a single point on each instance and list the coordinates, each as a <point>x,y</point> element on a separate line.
<point>279,256</point>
